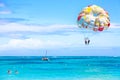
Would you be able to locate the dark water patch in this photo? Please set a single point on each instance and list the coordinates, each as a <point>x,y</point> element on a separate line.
<point>107,65</point>
<point>21,58</point>
<point>19,63</point>
<point>51,69</point>
<point>68,58</point>
<point>108,61</point>
<point>75,57</point>
<point>24,59</point>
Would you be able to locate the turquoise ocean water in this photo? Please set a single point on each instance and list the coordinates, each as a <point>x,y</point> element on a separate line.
<point>60,68</point>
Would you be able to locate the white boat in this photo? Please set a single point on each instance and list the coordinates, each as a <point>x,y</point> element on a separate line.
<point>45,58</point>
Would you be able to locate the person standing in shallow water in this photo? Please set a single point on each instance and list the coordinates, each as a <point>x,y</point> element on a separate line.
<point>9,71</point>
<point>16,72</point>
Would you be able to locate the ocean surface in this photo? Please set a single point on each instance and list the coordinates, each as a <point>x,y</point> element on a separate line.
<point>60,68</point>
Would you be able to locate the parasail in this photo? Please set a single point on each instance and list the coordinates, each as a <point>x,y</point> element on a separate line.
<point>93,18</point>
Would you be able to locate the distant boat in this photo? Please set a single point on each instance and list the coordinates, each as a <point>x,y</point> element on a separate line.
<point>45,58</point>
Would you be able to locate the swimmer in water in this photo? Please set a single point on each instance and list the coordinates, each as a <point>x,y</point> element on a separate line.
<point>9,72</point>
<point>16,72</point>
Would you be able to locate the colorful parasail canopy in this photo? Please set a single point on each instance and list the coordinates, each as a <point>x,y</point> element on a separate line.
<point>94,18</point>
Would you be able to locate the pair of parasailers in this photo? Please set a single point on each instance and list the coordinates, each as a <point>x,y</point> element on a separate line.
<point>87,40</point>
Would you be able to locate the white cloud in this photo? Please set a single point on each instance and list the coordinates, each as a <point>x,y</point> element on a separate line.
<point>5,12</point>
<point>74,39</point>
<point>32,44</point>
<point>14,27</point>
<point>71,41</point>
<point>4,9</point>
<point>115,25</point>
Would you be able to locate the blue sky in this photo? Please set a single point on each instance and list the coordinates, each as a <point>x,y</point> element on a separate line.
<point>31,27</point>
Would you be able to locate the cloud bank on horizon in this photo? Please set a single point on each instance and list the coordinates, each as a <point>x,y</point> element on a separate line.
<point>50,36</point>
<point>35,27</point>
